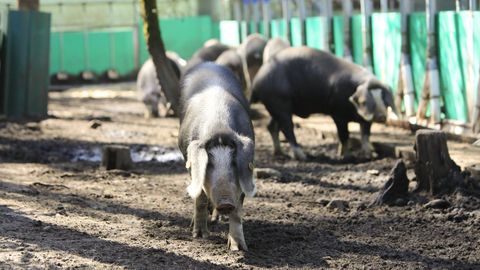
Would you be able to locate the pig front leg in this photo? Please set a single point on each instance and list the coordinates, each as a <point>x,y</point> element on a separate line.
<point>343,135</point>
<point>200,216</point>
<point>236,240</point>
<point>367,148</point>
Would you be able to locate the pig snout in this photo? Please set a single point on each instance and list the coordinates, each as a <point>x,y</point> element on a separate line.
<point>225,207</point>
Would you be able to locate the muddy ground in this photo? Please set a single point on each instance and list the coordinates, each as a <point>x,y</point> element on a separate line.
<point>61,211</point>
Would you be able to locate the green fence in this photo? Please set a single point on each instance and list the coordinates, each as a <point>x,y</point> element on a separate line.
<point>278,28</point>
<point>386,47</point>
<point>417,35</point>
<point>184,35</point>
<point>457,35</point>
<point>296,32</point>
<point>100,50</point>
<point>316,32</point>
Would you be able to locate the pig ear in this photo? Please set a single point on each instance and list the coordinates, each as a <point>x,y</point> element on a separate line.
<point>197,160</point>
<point>387,98</point>
<point>245,166</point>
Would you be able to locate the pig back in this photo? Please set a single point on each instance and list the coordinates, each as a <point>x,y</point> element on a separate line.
<point>211,99</point>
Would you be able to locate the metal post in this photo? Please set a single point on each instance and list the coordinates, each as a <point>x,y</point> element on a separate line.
<point>256,15</point>
<point>136,36</point>
<point>432,66</point>
<point>302,16</point>
<point>237,13</point>
<point>384,5</point>
<point>286,18</point>
<point>61,45</point>
<point>266,17</point>
<point>85,38</point>
<point>112,38</point>
<point>473,5</point>
<point>246,19</point>
<point>347,15</point>
<point>405,78</point>
<point>366,11</point>
<point>328,19</point>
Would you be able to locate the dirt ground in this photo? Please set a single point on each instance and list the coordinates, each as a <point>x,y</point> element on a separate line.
<point>60,211</point>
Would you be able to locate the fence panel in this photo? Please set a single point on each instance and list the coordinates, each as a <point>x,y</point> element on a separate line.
<point>450,67</point>
<point>386,47</point>
<point>315,32</point>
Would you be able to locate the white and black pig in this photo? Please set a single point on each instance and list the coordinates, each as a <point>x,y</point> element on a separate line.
<point>303,81</point>
<point>148,88</point>
<point>217,141</point>
<point>211,50</point>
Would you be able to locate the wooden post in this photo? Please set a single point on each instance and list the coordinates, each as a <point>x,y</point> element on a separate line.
<point>165,74</point>
<point>434,168</point>
<point>116,157</point>
<point>28,5</point>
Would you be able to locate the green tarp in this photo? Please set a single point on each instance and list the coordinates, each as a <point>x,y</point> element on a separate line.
<point>278,28</point>
<point>296,32</point>
<point>357,38</point>
<point>450,67</point>
<point>417,35</point>
<point>386,47</point>
<point>26,64</point>
<point>315,32</point>
<point>468,24</point>
<point>338,35</point>
<point>230,33</point>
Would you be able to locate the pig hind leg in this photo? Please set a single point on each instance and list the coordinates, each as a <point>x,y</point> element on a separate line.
<point>343,136</point>
<point>236,239</point>
<point>200,216</point>
<point>367,148</point>
<point>274,129</point>
<point>286,126</point>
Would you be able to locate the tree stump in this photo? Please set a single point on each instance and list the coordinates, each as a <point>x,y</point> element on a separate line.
<point>116,157</point>
<point>435,170</point>
<point>396,187</point>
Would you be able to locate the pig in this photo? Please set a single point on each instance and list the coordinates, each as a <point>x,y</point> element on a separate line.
<point>148,88</point>
<point>273,46</point>
<point>211,50</point>
<point>245,61</point>
<point>303,81</point>
<point>217,141</point>
<point>251,52</point>
<point>232,60</point>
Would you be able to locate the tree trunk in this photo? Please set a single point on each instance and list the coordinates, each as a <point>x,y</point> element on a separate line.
<point>28,4</point>
<point>165,74</point>
<point>435,170</point>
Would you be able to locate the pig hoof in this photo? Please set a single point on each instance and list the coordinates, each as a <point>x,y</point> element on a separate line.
<point>200,234</point>
<point>215,216</point>
<point>235,245</point>
<point>279,153</point>
<point>298,154</point>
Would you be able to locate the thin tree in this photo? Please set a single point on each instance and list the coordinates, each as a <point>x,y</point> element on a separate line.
<point>165,74</point>
<point>28,4</point>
